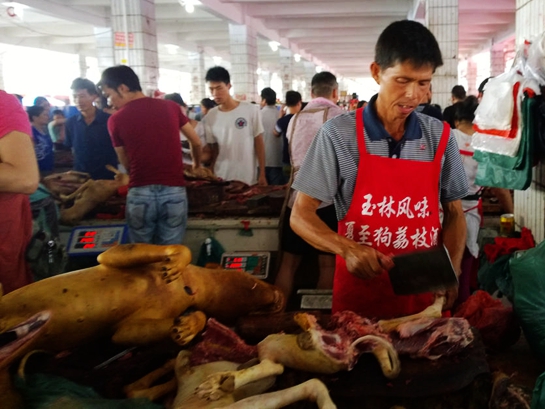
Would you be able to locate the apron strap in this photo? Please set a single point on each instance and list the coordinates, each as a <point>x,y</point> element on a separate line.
<point>360,133</point>
<point>442,144</point>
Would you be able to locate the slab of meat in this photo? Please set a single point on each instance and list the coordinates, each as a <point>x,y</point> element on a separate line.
<point>432,338</point>
<point>219,343</point>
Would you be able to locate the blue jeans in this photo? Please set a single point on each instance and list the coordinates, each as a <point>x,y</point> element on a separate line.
<point>157,214</point>
<point>275,175</point>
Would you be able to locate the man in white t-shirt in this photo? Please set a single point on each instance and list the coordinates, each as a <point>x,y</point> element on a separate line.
<point>234,133</point>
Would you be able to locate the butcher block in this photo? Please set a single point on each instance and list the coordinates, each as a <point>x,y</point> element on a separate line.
<point>418,377</point>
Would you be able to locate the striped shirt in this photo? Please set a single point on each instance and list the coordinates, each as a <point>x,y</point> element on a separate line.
<point>330,168</point>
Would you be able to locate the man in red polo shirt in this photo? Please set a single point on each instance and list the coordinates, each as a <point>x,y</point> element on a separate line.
<point>145,133</point>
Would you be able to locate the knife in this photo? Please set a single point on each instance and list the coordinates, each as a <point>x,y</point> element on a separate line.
<point>422,272</point>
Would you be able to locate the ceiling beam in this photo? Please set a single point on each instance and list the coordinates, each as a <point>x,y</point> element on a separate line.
<point>332,8</point>
<point>326,22</point>
<point>61,10</point>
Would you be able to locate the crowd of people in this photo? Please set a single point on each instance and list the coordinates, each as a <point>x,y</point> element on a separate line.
<point>349,204</point>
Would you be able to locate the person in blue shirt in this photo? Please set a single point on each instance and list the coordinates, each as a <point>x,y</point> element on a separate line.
<point>43,145</point>
<point>87,133</point>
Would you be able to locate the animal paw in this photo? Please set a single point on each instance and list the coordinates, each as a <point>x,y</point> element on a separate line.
<point>216,386</point>
<point>186,327</point>
<point>170,268</point>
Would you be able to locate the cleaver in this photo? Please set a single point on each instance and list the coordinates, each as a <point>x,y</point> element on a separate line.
<point>422,272</point>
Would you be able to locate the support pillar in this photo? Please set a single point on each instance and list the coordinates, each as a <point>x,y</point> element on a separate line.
<point>442,20</point>
<point>2,71</point>
<point>243,47</point>
<point>198,73</point>
<point>135,40</point>
<point>266,78</point>
<point>471,77</point>
<point>497,61</point>
<point>286,69</point>
<point>82,66</point>
<point>310,71</point>
<point>104,40</point>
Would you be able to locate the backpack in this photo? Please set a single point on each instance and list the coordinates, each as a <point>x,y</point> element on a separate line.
<point>45,254</point>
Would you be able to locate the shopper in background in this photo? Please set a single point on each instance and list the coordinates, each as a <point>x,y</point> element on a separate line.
<point>301,132</point>
<point>427,108</point>
<point>234,132</point>
<point>146,136</point>
<point>458,94</point>
<point>18,178</point>
<point>293,105</point>
<point>273,142</point>
<point>56,128</point>
<point>43,145</point>
<point>87,133</point>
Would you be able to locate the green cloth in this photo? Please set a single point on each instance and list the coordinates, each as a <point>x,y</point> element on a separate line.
<point>42,391</point>
<point>210,252</point>
<point>538,396</point>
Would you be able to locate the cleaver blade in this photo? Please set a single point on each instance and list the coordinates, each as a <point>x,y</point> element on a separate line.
<point>422,272</point>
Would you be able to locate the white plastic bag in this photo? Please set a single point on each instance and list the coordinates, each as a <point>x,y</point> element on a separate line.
<point>497,118</point>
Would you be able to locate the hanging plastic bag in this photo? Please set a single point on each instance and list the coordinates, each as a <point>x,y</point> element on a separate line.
<point>497,118</point>
<point>512,173</point>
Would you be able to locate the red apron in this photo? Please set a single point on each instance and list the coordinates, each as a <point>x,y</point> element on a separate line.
<point>395,209</point>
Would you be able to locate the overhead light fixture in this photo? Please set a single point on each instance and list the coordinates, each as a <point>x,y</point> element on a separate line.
<point>172,48</point>
<point>274,45</point>
<point>297,57</point>
<point>189,5</point>
<point>318,69</point>
<point>217,59</point>
<point>258,71</point>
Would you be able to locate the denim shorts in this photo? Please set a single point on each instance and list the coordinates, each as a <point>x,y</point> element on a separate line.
<point>157,214</point>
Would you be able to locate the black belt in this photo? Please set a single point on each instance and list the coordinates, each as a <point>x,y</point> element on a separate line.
<point>476,196</point>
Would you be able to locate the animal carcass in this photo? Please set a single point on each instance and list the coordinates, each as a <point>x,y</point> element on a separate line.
<point>137,295</point>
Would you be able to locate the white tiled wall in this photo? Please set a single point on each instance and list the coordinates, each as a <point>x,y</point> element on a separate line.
<point>243,47</point>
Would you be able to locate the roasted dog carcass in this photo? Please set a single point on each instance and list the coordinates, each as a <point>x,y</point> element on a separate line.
<point>137,295</point>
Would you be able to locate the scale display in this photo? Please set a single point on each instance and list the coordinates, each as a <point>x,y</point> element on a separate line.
<point>257,264</point>
<point>93,240</point>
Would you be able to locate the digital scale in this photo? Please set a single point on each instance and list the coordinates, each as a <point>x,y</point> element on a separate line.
<point>93,240</point>
<point>257,263</point>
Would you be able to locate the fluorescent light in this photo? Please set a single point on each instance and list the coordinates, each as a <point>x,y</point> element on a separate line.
<point>297,57</point>
<point>172,48</point>
<point>217,59</point>
<point>318,69</point>
<point>189,7</point>
<point>274,45</point>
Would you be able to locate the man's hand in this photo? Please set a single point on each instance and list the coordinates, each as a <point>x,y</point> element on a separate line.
<point>262,181</point>
<point>366,262</point>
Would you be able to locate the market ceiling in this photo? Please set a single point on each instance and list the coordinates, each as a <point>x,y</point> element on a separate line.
<point>337,35</point>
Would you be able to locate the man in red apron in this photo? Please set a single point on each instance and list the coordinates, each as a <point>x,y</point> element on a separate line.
<point>387,169</point>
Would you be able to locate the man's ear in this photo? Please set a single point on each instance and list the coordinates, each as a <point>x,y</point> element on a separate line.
<point>122,89</point>
<point>375,72</point>
<point>335,94</point>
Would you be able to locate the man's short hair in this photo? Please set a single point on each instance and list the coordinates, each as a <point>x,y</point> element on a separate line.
<point>465,110</point>
<point>208,103</point>
<point>407,41</point>
<point>118,75</point>
<point>176,98</point>
<point>84,83</point>
<point>269,95</point>
<point>57,112</point>
<point>458,92</point>
<point>40,100</point>
<point>323,84</point>
<point>218,74</point>
<point>34,111</point>
<point>293,98</point>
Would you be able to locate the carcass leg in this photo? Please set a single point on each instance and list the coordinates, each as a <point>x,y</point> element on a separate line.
<point>142,388</point>
<point>384,352</point>
<point>186,327</point>
<point>433,311</point>
<point>313,390</point>
<point>223,383</point>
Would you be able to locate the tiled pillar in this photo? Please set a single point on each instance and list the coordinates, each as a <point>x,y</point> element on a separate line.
<point>266,78</point>
<point>135,40</point>
<point>82,66</point>
<point>530,203</point>
<point>286,70</point>
<point>497,61</point>
<point>310,71</point>
<point>442,20</point>
<point>243,47</point>
<point>104,39</point>
<point>471,77</point>
<point>198,73</point>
